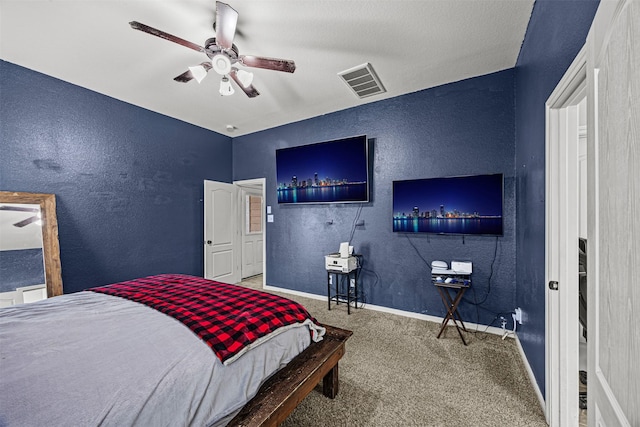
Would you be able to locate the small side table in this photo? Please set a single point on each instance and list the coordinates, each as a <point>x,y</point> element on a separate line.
<point>346,288</point>
<point>451,294</point>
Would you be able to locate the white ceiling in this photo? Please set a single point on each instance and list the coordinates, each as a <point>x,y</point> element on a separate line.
<point>412,45</point>
<point>15,238</point>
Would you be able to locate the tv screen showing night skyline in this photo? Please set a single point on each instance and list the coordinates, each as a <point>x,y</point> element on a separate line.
<point>449,205</point>
<point>326,172</point>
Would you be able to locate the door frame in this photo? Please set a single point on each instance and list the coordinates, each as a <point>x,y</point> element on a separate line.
<point>561,244</point>
<point>263,184</point>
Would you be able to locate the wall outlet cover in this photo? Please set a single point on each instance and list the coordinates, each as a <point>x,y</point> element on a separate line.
<point>518,316</point>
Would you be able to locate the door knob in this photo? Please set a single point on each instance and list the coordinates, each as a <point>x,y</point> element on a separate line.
<point>208,242</point>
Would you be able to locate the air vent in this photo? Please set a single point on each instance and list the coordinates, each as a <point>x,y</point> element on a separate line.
<point>362,80</point>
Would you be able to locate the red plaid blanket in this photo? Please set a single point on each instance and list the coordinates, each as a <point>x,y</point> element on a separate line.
<point>227,318</point>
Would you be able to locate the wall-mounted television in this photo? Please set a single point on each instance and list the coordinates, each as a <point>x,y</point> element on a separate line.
<point>467,205</point>
<point>325,172</point>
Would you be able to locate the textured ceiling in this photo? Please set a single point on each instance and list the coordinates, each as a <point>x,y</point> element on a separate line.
<point>412,45</point>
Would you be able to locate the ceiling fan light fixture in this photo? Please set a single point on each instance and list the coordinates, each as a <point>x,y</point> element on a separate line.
<point>198,72</point>
<point>221,64</point>
<point>222,54</point>
<point>245,78</point>
<point>225,87</point>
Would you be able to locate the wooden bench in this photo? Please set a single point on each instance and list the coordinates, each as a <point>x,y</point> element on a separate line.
<point>281,393</point>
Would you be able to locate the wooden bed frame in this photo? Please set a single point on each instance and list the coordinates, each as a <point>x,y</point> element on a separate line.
<point>281,393</point>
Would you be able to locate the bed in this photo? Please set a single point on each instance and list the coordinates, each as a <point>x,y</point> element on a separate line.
<point>152,351</point>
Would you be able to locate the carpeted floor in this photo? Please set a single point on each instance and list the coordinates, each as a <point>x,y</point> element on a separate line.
<point>396,373</point>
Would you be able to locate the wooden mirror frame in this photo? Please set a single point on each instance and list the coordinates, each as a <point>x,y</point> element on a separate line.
<point>50,244</point>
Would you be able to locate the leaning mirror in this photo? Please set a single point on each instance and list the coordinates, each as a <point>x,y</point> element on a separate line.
<point>29,248</point>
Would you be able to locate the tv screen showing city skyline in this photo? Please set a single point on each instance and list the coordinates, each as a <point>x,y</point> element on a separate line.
<point>326,172</point>
<point>449,205</point>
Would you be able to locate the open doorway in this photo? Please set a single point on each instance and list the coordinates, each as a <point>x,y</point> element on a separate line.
<point>582,260</point>
<point>251,223</point>
<point>566,224</point>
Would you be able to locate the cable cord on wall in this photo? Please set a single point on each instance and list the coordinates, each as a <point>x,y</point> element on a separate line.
<point>355,220</point>
<point>475,300</point>
<point>495,255</point>
<point>361,265</point>
<point>428,264</point>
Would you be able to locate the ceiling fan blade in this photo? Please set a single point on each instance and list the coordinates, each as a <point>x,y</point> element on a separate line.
<point>155,32</point>
<point>184,77</point>
<point>187,76</point>
<point>251,91</point>
<point>27,221</point>
<point>268,63</point>
<point>18,209</point>
<point>226,21</point>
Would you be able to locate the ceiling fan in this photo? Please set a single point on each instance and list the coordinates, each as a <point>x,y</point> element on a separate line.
<point>26,221</point>
<point>223,54</point>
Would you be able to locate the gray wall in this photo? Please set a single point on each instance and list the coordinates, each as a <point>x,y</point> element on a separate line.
<point>462,128</point>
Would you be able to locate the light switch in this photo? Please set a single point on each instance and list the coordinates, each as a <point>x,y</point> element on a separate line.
<point>269,218</point>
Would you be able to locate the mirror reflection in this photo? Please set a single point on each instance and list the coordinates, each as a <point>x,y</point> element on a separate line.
<point>29,249</point>
<point>21,256</point>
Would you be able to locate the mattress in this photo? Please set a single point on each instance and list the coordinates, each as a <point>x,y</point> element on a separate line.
<point>89,359</point>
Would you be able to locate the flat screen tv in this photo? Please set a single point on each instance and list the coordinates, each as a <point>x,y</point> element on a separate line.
<point>468,205</point>
<point>326,172</point>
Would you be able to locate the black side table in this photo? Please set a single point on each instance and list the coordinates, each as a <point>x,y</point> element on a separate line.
<point>346,288</point>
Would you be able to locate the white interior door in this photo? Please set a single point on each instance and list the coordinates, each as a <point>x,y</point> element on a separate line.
<point>613,251</point>
<point>252,231</point>
<point>221,238</point>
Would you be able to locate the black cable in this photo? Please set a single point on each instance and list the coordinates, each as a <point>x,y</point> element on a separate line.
<point>355,220</point>
<point>496,317</point>
<point>361,265</point>
<point>495,255</point>
<point>416,249</point>
<point>359,257</point>
<point>475,302</point>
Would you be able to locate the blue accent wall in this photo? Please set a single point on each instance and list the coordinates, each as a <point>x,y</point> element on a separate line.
<point>128,181</point>
<point>462,128</point>
<point>556,33</point>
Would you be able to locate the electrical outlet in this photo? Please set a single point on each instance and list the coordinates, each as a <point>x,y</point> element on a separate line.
<point>518,316</point>
<point>353,283</point>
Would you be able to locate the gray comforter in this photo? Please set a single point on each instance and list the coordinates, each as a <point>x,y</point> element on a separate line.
<point>89,359</point>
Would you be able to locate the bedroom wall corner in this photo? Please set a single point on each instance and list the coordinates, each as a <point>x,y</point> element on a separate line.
<point>557,31</point>
<point>128,181</point>
<point>462,128</point>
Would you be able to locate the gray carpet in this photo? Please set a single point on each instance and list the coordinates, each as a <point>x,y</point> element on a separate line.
<point>396,373</point>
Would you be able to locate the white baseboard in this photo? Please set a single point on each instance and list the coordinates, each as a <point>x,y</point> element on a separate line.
<point>532,377</point>
<point>481,328</point>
